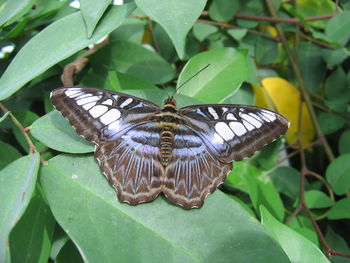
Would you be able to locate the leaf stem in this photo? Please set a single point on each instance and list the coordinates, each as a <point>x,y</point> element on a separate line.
<point>32,148</point>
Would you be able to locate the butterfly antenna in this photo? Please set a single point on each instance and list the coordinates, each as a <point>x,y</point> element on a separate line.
<point>183,84</point>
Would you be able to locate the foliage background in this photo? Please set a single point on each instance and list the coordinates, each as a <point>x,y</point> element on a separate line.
<point>290,202</point>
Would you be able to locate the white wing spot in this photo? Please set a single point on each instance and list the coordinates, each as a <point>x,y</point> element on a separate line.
<point>87,100</point>
<point>269,115</point>
<point>252,120</point>
<point>224,131</point>
<point>111,116</point>
<point>248,126</point>
<point>213,113</point>
<point>218,139</point>
<point>71,93</point>
<point>88,106</point>
<point>108,102</point>
<point>98,110</point>
<point>126,103</point>
<point>238,128</point>
<point>115,97</point>
<point>230,116</point>
<point>224,109</point>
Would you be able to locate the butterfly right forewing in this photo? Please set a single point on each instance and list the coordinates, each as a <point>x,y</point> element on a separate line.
<point>234,132</point>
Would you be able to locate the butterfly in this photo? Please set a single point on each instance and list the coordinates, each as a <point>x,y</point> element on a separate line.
<point>145,150</point>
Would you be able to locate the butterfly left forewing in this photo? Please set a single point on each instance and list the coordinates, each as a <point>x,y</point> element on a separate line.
<point>96,113</point>
<point>234,132</point>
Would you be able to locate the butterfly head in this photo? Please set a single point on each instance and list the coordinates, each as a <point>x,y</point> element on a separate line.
<point>170,101</point>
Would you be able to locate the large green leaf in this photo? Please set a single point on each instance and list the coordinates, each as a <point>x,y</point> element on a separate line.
<point>297,247</point>
<point>55,43</point>
<point>104,229</point>
<point>17,181</point>
<point>176,17</point>
<point>11,8</point>
<point>227,69</point>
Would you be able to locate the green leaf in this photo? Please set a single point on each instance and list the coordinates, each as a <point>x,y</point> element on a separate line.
<point>286,179</point>
<point>55,43</point>
<point>167,11</point>
<point>330,123</point>
<point>317,199</point>
<point>30,239</point>
<point>337,28</point>
<point>55,131</point>
<point>133,59</point>
<point>17,181</point>
<point>297,247</point>
<point>202,30</point>
<point>69,253</point>
<point>336,85</point>
<point>26,118</point>
<point>8,154</point>
<point>132,29</point>
<point>11,9</point>
<point>92,11</point>
<point>334,57</point>
<point>337,243</point>
<point>244,95</point>
<point>227,69</point>
<point>126,82</point>
<point>312,66</point>
<point>88,210</point>
<point>337,174</point>
<point>238,34</point>
<point>344,142</point>
<point>340,210</point>
<point>223,10</point>
<point>258,186</point>
<point>266,51</point>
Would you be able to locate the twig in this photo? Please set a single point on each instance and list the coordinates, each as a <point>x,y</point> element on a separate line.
<point>32,148</point>
<point>235,27</point>
<point>79,63</point>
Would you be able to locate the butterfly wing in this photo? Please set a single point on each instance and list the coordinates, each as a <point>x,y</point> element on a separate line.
<point>96,113</point>
<point>131,163</point>
<point>233,132</point>
<point>193,171</point>
<point>125,137</point>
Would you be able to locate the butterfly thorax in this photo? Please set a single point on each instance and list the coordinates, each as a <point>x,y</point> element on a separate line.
<point>168,120</point>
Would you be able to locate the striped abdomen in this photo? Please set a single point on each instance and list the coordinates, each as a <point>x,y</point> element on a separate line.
<point>166,145</point>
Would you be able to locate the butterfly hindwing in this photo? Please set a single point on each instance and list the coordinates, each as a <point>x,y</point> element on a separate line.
<point>131,163</point>
<point>234,132</point>
<point>96,113</point>
<point>193,171</point>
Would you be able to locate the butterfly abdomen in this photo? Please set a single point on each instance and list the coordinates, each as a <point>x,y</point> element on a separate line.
<point>166,145</point>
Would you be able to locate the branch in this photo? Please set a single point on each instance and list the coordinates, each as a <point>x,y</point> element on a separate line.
<point>79,63</point>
